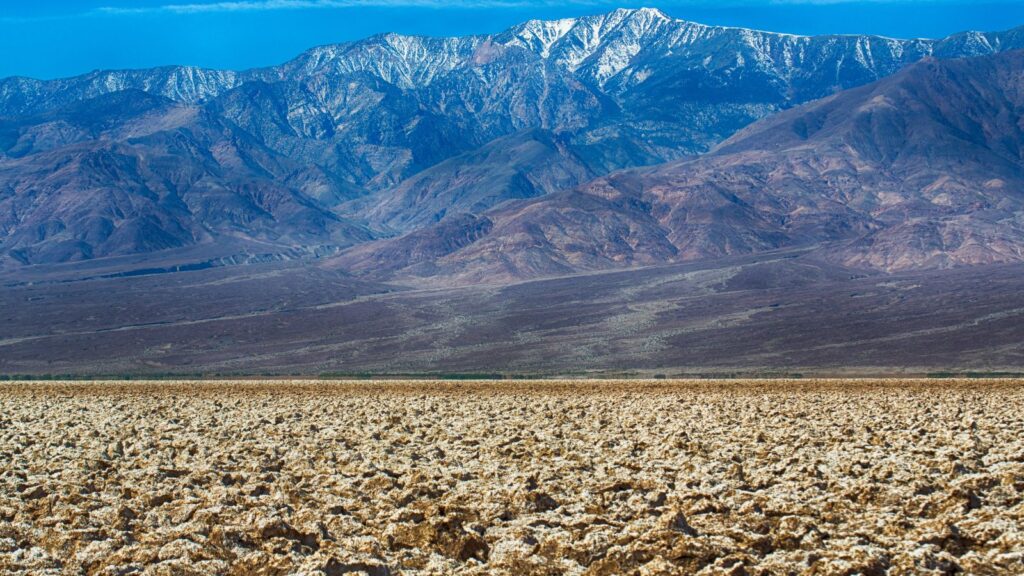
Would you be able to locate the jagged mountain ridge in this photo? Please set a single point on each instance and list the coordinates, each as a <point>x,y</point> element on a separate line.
<point>386,116</point>
<point>666,86</point>
<point>600,47</point>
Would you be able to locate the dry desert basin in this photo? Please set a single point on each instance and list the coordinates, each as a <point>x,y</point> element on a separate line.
<point>512,477</point>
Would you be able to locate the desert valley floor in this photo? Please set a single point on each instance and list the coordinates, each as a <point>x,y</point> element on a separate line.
<point>778,313</point>
<point>512,477</point>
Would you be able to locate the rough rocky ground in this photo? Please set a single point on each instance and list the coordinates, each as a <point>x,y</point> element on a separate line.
<point>644,477</point>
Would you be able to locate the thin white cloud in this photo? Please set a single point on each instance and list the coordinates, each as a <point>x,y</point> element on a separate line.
<point>228,6</point>
<point>269,5</point>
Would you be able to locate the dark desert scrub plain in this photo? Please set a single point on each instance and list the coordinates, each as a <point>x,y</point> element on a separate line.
<point>513,477</point>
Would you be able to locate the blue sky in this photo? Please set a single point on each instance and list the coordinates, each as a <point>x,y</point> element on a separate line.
<point>53,38</point>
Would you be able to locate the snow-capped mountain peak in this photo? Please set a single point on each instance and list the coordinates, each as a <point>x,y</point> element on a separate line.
<point>610,51</point>
<point>539,35</point>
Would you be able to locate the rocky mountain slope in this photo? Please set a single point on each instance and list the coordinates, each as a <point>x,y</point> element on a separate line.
<point>131,172</point>
<point>389,134</point>
<point>924,169</point>
<point>526,164</point>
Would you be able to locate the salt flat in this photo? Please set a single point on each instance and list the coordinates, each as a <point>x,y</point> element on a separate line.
<point>512,477</point>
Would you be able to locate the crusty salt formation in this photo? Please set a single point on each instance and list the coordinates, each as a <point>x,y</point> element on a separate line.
<point>781,477</point>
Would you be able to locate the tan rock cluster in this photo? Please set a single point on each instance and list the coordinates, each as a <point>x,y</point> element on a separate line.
<point>378,478</point>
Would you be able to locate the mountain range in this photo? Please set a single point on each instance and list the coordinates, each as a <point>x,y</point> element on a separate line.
<point>421,138</point>
<point>620,193</point>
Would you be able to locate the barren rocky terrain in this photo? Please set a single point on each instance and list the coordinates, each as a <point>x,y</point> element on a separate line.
<point>507,477</point>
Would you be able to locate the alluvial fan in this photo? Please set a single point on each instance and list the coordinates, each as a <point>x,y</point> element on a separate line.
<point>739,477</point>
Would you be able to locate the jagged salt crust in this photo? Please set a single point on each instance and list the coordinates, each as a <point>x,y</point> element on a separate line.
<point>511,478</point>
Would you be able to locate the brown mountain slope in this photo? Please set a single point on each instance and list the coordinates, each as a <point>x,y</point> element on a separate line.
<point>924,169</point>
<point>130,172</point>
<point>526,164</point>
